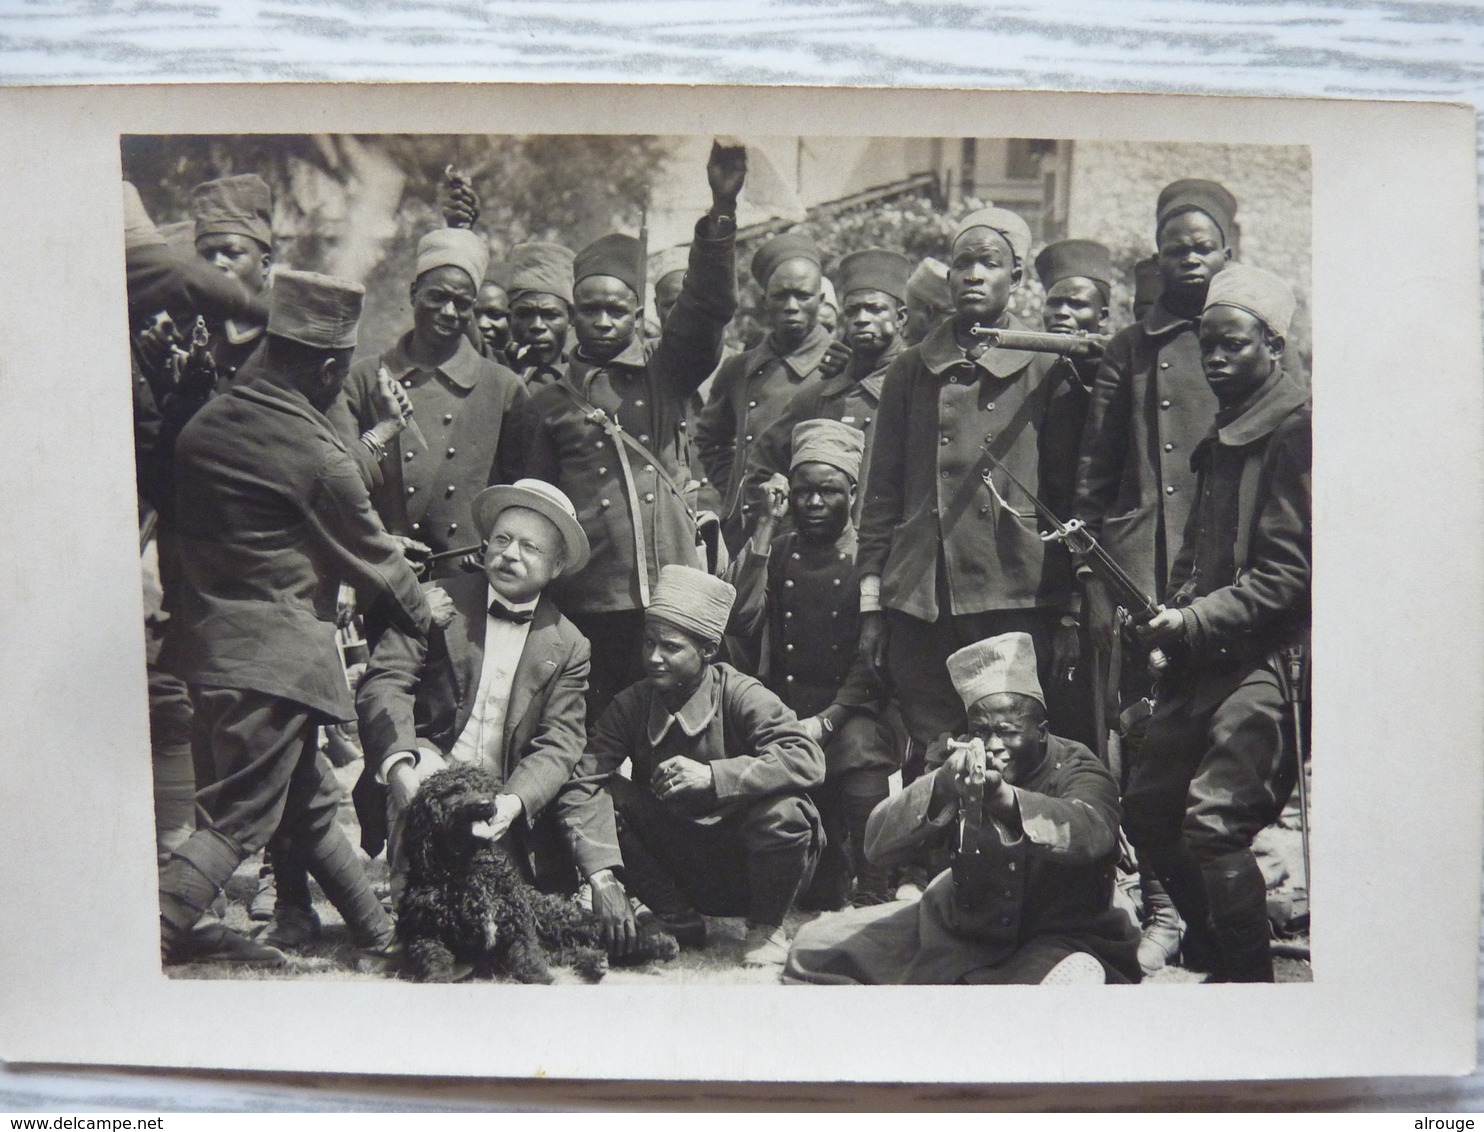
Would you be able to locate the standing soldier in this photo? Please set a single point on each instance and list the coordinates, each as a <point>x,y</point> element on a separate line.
<point>929,301</point>
<point>800,586</point>
<point>540,312</point>
<point>472,412</point>
<point>1212,773</point>
<point>610,433</point>
<point>492,313</point>
<point>874,283</point>
<point>272,516</point>
<point>234,233</point>
<point>950,553</point>
<point>752,389</point>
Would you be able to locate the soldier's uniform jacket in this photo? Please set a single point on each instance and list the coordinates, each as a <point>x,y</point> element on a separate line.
<point>648,397</point>
<point>756,748</point>
<point>271,516</point>
<point>750,392</point>
<point>807,598</point>
<point>231,345</point>
<point>1242,579</point>
<point>853,398</point>
<point>929,509</point>
<point>474,414</point>
<point>1150,407</point>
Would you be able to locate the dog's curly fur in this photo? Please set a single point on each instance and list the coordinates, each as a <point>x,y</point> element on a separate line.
<point>465,899</point>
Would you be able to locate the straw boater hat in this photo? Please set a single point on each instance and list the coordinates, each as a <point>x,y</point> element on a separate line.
<point>1006,663</point>
<point>1260,293</point>
<point>315,310</point>
<point>544,499</point>
<point>692,600</point>
<point>238,206</point>
<point>453,247</point>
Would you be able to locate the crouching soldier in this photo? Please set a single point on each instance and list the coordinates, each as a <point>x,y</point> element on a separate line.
<point>798,588</point>
<point>715,819</point>
<point>1211,773</point>
<point>1032,820</point>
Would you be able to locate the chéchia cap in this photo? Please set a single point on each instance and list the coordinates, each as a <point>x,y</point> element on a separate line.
<point>778,250</point>
<point>543,268</point>
<point>829,442</point>
<point>1071,259</point>
<point>928,284</point>
<point>669,261</point>
<point>692,600</point>
<point>453,247</point>
<point>1260,293</point>
<point>315,310</point>
<point>875,269</point>
<point>139,229</point>
<point>546,500</point>
<point>1195,195</point>
<point>1006,663</point>
<point>240,206</point>
<point>1010,225</point>
<point>615,255</point>
<point>827,294</point>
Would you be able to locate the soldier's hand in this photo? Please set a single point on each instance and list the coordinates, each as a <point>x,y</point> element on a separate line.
<point>1163,628</point>
<point>391,403</point>
<point>681,777</point>
<point>836,357</point>
<point>441,606</point>
<point>457,199</point>
<point>411,548</point>
<point>872,646</point>
<point>726,170</point>
<point>615,913</point>
<point>775,494</point>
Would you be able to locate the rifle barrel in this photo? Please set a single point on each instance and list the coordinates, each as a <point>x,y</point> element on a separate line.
<point>1068,345</point>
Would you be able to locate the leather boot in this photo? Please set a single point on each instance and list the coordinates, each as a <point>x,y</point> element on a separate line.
<point>872,885</point>
<point>1181,875</point>
<point>1160,942</point>
<point>333,862</point>
<point>1239,915</point>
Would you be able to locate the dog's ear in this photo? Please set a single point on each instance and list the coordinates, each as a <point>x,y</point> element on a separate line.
<point>422,835</point>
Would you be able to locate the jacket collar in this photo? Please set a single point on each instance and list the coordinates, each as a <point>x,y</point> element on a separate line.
<point>1159,320</point>
<point>635,355</point>
<point>940,351</point>
<point>290,401</point>
<point>1261,413</point>
<point>462,369</point>
<point>800,362</point>
<point>694,716</point>
<point>871,380</point>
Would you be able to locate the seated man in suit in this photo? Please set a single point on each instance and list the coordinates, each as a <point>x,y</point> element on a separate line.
<point>504,685</point>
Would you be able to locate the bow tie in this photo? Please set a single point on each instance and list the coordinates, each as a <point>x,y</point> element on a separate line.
<point>505,613</point>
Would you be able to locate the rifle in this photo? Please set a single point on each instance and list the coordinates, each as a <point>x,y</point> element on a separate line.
<point>1067,345</point>
<point>1078,539</point>
<point>972,811</point>
<point>457,552</point>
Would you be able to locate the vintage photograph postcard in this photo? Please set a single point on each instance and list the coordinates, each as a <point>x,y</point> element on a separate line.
<point>581,570</point>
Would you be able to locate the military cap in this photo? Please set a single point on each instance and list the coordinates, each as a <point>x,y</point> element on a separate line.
<point>316,310</point>
<point>453,247</point>
<point>829,442</point>
<point>240,206</point>
<point>1075,259</point>
<point>1194,195</point>
<point>546,500</point>
<point>928,284</point>
<point>782,247</point>
<point>615,255</point>
<point>875,269</point>
<point>827,294</point>
<point>1260,293</point>
<point>498,273</point>
<point>1006,663</point>
<point>139,229</point>
<point>692,600</point>
<point>1016,231</point>
<point>669,261</point>
<point>544,268</point>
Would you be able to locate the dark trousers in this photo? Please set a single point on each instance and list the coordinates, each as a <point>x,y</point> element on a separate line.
<point>859,759</point>
<point>917,657</point>
<point>752,862</point>
<point>1208,776</point>
<point>263,783</point>
<point>615,639</point>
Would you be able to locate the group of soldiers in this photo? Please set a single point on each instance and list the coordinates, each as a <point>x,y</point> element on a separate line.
<point>698,611</point>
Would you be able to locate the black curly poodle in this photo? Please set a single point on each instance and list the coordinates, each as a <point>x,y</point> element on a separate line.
<point>465,899</point>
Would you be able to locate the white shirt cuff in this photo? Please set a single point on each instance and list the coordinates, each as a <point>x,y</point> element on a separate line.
<point>392,760</point>
<point>871,593</point>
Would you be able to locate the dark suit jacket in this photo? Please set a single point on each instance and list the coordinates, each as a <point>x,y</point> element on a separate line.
<point>414,695</point>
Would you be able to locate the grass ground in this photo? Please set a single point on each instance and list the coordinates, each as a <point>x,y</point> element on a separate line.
<point>333,956</point>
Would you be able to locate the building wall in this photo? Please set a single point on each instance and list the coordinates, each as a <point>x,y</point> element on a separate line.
<point>1113,187</point>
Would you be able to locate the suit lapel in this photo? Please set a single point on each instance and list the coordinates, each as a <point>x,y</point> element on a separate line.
<point>465,638</point>
<point>537,663</point>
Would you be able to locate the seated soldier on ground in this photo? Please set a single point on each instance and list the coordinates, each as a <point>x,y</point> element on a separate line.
<point>715,818</point>
<point>1033,823</point>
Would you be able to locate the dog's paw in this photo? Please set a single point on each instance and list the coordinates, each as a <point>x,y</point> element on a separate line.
<point>590,964</point>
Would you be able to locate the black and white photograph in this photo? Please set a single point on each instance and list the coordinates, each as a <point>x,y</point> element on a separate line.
<point>622,583</point>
